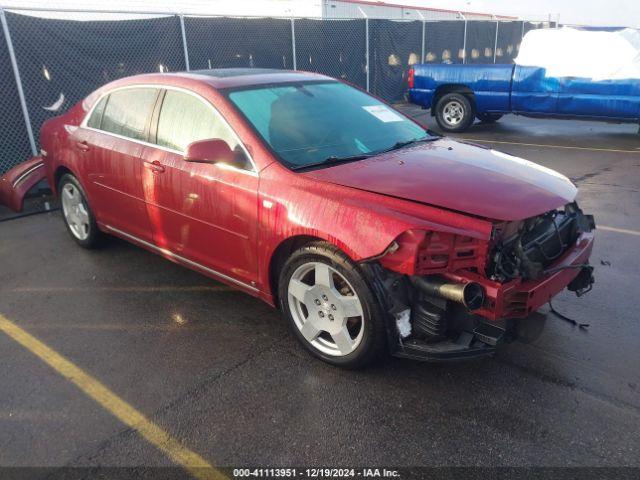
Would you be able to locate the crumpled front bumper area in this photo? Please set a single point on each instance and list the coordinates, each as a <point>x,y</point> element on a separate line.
<point>15,184</point>
<point>518,299</point>
<point>444,328</point>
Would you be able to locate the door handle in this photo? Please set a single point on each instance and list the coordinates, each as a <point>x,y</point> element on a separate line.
<point>83,146</point>
<point>155,166</point>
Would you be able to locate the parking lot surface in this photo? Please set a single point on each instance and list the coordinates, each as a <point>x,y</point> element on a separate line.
<point>218,371</point>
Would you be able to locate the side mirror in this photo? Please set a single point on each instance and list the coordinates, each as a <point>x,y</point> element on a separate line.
<point>212,150</point>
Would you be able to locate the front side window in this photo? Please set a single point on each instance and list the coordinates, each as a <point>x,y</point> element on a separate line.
<point>185,119</point>
<point>127,112</point>
<point>309,123</point>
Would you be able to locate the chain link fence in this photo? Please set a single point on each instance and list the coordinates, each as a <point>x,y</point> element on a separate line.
<point>49,64</point>
<point>509,37</point>
<point>444,41</point>
<point>337,48</point>
<point>218,42</point>
<point>14,142</point>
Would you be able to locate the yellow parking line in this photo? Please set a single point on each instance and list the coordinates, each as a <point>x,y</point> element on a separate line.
<point>151,289</point>
<point>549,146</point>
<point>190,461</point>
<point>618,230</point>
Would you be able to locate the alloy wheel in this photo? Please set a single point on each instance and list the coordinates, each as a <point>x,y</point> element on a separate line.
<point>75,210</point>
<point>326,309</point>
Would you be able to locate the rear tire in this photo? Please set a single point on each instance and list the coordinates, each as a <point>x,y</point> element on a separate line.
<point>489,117</point>
<point>454,112</point>
<point>330,306</point>
<point>77,214</point>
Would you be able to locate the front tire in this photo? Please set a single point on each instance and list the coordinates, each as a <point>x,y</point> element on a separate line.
<point>76,213</point>
<point>454,112</point>
<point>330,306</point>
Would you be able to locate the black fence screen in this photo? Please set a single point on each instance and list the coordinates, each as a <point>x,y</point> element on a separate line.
<point>531,26</point>
<point>444,41</point>
<point>62,61</point>
<point>14,142</point>
<point>239,42</point>
<point>481,39</point>
<point>394,47</point>
<point>333,47</point>
<point>509,37</point>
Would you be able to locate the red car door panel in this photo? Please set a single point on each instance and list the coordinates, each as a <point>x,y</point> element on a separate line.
<point>115,183</point>
<point>111,148</point>
<point>206,213</point>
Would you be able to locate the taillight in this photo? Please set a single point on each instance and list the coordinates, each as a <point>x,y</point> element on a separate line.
<point>411,77</point>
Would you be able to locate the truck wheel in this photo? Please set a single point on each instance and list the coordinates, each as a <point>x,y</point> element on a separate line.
<point>330,307</point>
<point>489,117</point>
<point>454,112</point>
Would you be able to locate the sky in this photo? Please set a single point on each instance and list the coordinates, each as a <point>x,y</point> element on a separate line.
<point>582,12</point>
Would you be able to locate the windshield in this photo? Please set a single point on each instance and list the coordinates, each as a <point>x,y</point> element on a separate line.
<point>311,123</point>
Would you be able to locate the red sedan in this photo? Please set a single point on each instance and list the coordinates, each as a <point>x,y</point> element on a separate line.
<point>367,231</point>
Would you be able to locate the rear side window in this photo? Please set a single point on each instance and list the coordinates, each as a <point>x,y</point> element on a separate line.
<point>127,112</point>
<point>95,120</point>
<point>185,118</point>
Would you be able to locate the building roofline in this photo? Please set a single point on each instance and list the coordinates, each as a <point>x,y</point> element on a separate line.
<point>427,9</point>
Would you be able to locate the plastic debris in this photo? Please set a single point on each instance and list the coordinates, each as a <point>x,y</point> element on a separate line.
<point>403,322</point>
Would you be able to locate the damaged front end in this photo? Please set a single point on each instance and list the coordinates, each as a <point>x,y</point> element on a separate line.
<point>450,297</point>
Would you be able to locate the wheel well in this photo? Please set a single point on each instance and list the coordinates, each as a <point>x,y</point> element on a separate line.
<point>280,256</point>
<point>60,171</point>
<point>452,88</point>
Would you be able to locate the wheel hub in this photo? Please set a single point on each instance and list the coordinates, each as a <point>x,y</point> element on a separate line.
<point>324,309</point>
<point>453,112</point>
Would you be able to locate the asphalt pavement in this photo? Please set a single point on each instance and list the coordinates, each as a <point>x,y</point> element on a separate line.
<point>217,371</point>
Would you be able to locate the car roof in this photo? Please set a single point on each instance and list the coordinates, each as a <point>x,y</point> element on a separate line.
<point>220,78</point>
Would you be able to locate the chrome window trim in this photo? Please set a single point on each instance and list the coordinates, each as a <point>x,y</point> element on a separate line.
<point>85,120</point>
<point>186,261</point>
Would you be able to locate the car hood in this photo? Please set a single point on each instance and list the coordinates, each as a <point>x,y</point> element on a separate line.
<point>457,176</point>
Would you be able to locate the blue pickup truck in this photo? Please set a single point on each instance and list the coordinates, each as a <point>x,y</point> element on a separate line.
<point>458,94</point>
<point>584,73</point>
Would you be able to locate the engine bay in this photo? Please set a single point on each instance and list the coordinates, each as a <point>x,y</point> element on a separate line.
<point>527,248</point>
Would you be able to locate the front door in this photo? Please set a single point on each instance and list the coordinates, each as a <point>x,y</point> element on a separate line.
<point>205,213</point>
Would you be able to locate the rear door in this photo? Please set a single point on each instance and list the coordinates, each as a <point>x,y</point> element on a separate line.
<point>112,143</point>
<point>205,213</point>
